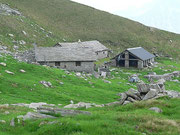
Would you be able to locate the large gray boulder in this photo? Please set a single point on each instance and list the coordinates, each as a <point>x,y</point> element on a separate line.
<point>155,109</point>
<point>62,112</point>
<point>151,94</point>
<point>33,115</point>
<point>133,93</point>
<point>172,94</point>
<point>143,88</point>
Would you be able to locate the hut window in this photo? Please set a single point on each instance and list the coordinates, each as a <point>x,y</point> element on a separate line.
<point>57,64</point>
<point>78,63</point>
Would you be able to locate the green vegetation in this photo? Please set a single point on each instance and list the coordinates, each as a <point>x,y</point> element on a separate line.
<point>72,21</point>
<point>132,119</point>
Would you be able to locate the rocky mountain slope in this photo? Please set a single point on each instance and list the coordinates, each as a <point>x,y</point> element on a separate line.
<point>47,22</point>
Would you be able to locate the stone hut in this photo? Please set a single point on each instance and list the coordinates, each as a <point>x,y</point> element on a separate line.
<point>66,58</point>
<point>133,57</point>
<point>97,48</point>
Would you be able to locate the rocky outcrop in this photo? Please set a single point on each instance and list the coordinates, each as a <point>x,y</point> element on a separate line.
<point>34,115</point>
<point>6,10</point>
<point>62,112</point>
<point>167,76</point>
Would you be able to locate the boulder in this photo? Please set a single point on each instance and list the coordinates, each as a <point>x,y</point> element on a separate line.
<point>22,71</point>
<point>114,103</point>
<point>130,99</point>
<point>176,73</point>
<point>2,121</point>
<point>123,97</point>
<point>143,88</point>
<point>126,102</point>
<point>106,81</point>
<point>12,123</point>
<point>3,64</point>
<point>172,94</point>
<point>134,78</point>
<point>62,112</point>
<point>33,115</point>
<point>156,109</point>
<point>133,93</point>
<point>9,72</point>
<point>151,94</point>
<point>79,105</point>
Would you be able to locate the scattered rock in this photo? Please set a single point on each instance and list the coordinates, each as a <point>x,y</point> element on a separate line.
<point>61,83</point>
<point>62,112</point>
<point>22,42</point>
<point>24,33</point>
<point>172,94</point>
<point>12,123</point>
<point>22,71</point>
<point>151,94</point>
<point>6,10</point>
<point>9,72</point>
<point>32,115</point>
<point>106,81</point>
<point>80,105</point>
<point>126,102</point>
<point>156,109</point>
<point>2,121</point>
<point>11,35</point>
<point>46,84</point>
<point>78,74</point>
<point>134,78</point>
<point>3,64</point>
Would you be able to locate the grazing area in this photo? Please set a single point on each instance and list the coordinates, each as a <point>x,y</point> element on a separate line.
<point>139,96</point>
<point>47,22</point>
<point>25,86</point>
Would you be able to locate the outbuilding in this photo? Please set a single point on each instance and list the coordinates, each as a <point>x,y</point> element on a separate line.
<point>133,57</point>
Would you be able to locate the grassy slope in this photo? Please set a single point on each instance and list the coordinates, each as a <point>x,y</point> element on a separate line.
<point>132,119</point>
<point>72,21</point>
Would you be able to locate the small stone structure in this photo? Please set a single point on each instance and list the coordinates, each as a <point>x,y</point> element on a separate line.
<point>133,57</point>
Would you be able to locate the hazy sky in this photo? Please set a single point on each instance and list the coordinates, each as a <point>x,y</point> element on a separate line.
<point>163,14</point>
<point>116,6</point>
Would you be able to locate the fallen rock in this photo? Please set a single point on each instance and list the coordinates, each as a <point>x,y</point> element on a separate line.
<point>80,105</point>
<point>62,112</point>
<point>12,123</point>
<point>3,64</point>
<point>134,78</point>
<point>172,94</point>
<point>22,71</point>
<point>106,81</point>
<point>114,103</point>
<point>156,109</point>
<point>151,94</point>
<point>9,72</point>
<point>2,121</point>
<point>32,115</point>
<point>134,94</point>
<point>143,88</point>
<point>46,84</point>
<point>126,102</point>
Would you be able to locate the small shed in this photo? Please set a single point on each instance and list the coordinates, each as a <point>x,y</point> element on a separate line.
<point>66,58</point>
<point>133,57</point>
<point>97,48</point>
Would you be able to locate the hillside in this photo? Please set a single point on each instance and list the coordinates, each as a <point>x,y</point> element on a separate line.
<point>47,22</point>
<point>131,119</point>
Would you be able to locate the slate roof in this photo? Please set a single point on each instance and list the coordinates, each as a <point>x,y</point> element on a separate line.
<point>141,53</point>
<point>95,45</point>
<point>52,54</point>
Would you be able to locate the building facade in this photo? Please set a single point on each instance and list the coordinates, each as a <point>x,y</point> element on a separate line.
<point>66,58</point>
<point>133,57</point>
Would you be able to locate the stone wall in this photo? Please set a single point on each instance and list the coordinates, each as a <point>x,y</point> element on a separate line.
<point>71,66</point>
